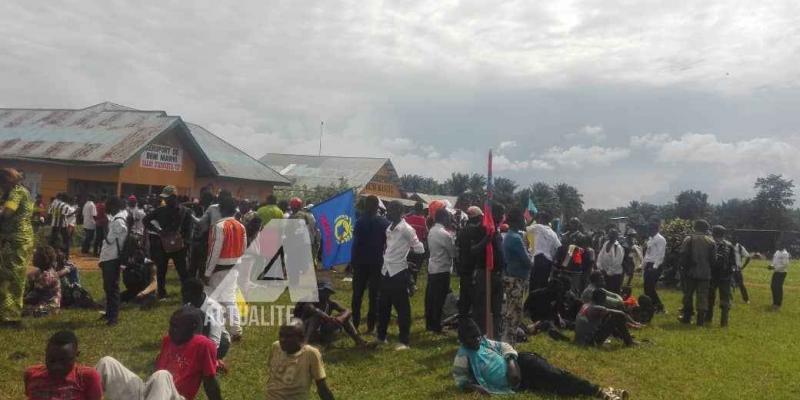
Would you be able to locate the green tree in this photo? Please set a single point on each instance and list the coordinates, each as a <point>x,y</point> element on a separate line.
<point>504,189</point>
<point>692,204</point>
<point>418,183</point>
<point>569,200</point>
<point>771,204</point>
<point>477,184</point>
<point>733,214</point>
<point>545,198</point>
<point>457,184</point>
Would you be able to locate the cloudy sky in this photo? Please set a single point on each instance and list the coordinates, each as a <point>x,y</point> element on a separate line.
<point>625,100</point>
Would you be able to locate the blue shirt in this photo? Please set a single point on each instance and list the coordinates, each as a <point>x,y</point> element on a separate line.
<point>518,264</point>
<point>369,240</point>
<point>486,366</point>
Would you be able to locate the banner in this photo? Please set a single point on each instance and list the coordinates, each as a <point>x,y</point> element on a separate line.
<point>335,220</point>
<point>157,156</point>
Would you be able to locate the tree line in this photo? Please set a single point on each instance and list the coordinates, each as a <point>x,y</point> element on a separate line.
<point>771,208</point>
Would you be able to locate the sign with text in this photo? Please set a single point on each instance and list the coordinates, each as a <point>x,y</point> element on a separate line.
<point>158,156</point>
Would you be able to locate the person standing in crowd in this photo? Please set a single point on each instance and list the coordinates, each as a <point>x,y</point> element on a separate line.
<point>101,225</point>
<point>61,377</point>
<point>227,242</point>
<point>419,222</point>
<point>269,210</point>
<point>72,221</point>
<point>59,234</point>
<point>16,244</point>
<point>780,262</point>
<point>698,253</point>
<point>742,259</point>
<point>110,262</point>
<point>39,213</point>
<point>653,258</point>
<point>395,277</point>
<point>609,261</point>
<point>202,228</point>
<point>517,273</point>
<point>442,247</point>
<point>173,223</point>
<point>545,243</point>
<point>187,359</point>
<point>89,211</point>
<point>495,306</point>
<point>721,275</point>
<point>633,256</point>
<point>135,216</point>
<point>492,367</point>
<point>472,232</point>
<point>297,212</point>
<point>369,241</point>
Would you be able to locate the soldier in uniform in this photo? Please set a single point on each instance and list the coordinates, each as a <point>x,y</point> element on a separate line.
<point>697,253</point>
<point>721,275</point>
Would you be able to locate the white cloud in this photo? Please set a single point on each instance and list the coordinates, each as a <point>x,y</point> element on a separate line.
<point>649,141</point>
<point>579,156</point>
<point>502,163</point>
<point>595,133</point>
<point>507,144</point>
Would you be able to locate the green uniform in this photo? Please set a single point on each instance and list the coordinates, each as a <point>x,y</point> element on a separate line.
<point>698,252</point>
<point>16,249</point>
<point>268,213</point>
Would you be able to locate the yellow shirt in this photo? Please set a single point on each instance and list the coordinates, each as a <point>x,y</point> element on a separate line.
<point>291,375</point>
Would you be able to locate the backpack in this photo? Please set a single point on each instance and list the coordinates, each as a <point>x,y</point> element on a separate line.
<point>722,265</point>
<point>74,295</point>
<point>132,250</point>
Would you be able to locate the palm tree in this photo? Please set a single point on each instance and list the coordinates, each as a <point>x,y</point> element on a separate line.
<point>457,184</point>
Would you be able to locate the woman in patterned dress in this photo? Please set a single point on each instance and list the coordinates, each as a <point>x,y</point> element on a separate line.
<point>16,244</point>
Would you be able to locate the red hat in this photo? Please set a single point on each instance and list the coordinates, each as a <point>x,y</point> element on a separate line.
<point>295,203</point>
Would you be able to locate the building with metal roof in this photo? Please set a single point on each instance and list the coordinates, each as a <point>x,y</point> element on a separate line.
<point>110,148</point>
<point>369,175</point>
<point>428,198</point>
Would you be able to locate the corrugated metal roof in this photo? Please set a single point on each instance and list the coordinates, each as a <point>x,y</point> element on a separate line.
<point>231,162</point>
<point>99,134</point>
<point>428,198</point>
<point>312,171</point>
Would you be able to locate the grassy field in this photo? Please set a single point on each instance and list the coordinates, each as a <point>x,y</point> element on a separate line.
<point>755,358</point>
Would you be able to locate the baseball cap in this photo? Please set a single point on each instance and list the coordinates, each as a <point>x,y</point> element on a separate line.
<point>169,191</point>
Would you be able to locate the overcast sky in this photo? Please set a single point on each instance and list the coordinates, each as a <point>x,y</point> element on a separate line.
<point>625,100</point>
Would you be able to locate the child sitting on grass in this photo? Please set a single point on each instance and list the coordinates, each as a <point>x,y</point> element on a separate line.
<point>321,325</point>
<point>293,365</point>
<point>43,290</point>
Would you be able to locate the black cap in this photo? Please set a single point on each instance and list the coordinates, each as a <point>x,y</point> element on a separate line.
<point>325,286</point>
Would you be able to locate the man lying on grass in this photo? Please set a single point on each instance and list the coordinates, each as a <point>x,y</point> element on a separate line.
<point>61,377</point>
<point>293,365</point>
<point>489,367</point>
<point>186,360</point>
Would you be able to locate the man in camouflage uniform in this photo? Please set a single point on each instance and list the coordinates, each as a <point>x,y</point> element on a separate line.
<point>721,275</point>
<point>698,254</point>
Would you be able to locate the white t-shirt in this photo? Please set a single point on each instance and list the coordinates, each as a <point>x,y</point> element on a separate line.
<point>442,246</point>
<point>545,241</point>
<point>741,254</point>
<point>781,260</point>
<point>89,212</point>
<point>656,249</point>
<point>611,261</point>
<point>117,232</point>
<point>399,241</point>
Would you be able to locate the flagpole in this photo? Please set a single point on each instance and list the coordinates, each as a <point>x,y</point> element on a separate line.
<point>489,316</point>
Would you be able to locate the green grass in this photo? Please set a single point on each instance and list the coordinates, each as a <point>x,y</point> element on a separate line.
<point>755,358</point>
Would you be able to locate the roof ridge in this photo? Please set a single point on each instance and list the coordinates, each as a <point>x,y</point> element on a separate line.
<point>326,156</point>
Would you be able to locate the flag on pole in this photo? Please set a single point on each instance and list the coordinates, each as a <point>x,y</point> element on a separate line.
<point>488,219</point>
<point>335,218</point>
<point>530,211</point>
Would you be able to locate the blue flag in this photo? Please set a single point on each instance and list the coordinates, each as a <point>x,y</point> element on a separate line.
<point>335,219</point>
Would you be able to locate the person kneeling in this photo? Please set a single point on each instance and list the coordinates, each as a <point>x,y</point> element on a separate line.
<point>293,365</point>
<point>595,323</point>
<point>489,367</point>
<point>186,359</point>
<point>320,324</point>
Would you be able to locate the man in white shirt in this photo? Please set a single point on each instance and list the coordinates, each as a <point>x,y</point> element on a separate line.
<point>89,211</point>
<point>653,258</point>
<point>742,259</point>
<point>544,244</point>
<point>395,277</point>
<point>780,262</point>
<point>609,261</point>
<point>110,263</point>
<point>442,246</point>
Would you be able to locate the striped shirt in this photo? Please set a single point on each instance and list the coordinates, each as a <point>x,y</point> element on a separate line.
<point>58,212</point>
<point>227,242</point>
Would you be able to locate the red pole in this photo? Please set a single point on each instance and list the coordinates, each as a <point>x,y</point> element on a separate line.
<point>489,254</point>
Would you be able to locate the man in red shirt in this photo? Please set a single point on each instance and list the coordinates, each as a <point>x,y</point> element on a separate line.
<point>186,360</point>
<point>60,377</point>
<point>417,221</point>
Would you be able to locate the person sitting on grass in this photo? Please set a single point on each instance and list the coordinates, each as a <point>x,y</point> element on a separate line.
<point>186,360</point>
<point>596,323</point>
<point>543,307</point>
<point>293,365</point>
<point>597,281</point>
<point>61,377</point>
<point>193,293</point>
<point>321,326</point>
<point>43,290</point>
<point>641,309</point>
<point>66,269</point>
<point>489,367</point>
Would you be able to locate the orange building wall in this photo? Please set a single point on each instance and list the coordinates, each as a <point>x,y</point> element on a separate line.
<point>184,179</point>
<point>240,188</point>
<point>55,177</point>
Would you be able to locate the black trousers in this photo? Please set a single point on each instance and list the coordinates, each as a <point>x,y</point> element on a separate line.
<point>99,236</point>
<point>88,238</point>
<point>197,259</point>
<point>394,293</point>
<point>365,277</point>
<point>435,295</point>
<point>466,293</point>
<point>539,375</point>
<point>614,283</point>
<point>738,279</point>
<point>496,303</point>
<point>777,288</point>
<point>111,272</point>
<point>162,261</point>
<point>542,267</point>
<point>723,286</point>
<point>651,276</point>
<point>613,325</point>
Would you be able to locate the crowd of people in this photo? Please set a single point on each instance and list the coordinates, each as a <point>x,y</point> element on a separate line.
<point>516,278</point>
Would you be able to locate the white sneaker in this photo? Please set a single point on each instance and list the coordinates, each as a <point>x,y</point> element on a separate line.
<point>401,347</point>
